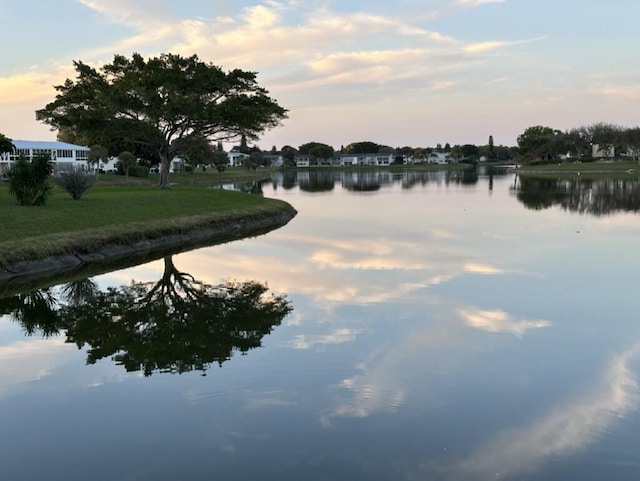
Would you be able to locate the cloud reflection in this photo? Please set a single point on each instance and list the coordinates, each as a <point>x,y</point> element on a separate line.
<point>351,270</point>
<point>565,430</point>
<point>500,322</point>
<point>375,389</point>
<point>35,359</point>
<point>339,336</point>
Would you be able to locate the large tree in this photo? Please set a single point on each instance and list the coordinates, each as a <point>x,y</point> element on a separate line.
<point>607,137</point>
<point>316,150</point>
<point>365,147</point>
<point>158,102</point>
<point>540,144</point>
<point>579,141</point>
<point>632,142</point>
<point>288,154</point>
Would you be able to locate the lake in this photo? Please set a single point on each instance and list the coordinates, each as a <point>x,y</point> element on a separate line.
<point>416,326</point>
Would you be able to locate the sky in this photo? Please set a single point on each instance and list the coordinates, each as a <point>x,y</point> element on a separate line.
<point>399,73</point>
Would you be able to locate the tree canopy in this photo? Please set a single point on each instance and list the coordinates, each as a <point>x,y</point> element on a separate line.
<point>365,147</point>
<point>316,150</point>
<point>539,143</point>
<point>158,104</point>
<point>6,145</point>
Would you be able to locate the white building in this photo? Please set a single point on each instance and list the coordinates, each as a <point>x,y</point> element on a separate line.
<point>236,158</point>
<point>346,160</point>
<point>65,156</point>
<point>597,151</point>
<point>440,158</point>
<point>366,159</point>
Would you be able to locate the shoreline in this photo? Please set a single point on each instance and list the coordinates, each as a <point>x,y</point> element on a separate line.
<point>196,232</point>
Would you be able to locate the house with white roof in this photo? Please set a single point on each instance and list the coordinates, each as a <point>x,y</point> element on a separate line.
<point>438,158</point>
<point>65,156</point>
<point>346,160</point>
<point>236,158</point>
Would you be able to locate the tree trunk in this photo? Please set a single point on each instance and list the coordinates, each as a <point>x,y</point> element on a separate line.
<point>164,172</point>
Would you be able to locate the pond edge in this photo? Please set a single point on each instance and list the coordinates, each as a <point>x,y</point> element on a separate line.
<point>144,248</point>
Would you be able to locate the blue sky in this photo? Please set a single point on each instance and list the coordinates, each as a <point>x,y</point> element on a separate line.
<point>399,73</point>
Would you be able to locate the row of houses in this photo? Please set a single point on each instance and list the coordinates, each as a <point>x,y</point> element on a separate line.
<point>236,159</point>
<point>349,160</point>
<point>66,156</point>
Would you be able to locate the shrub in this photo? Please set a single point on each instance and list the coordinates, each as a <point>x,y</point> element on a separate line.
<point>30,182</point>
<point>139,171</point>
<point>126,162</point>
<point>75,181</point>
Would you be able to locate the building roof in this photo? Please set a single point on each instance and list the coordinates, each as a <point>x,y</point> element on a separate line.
<point>47,145</point>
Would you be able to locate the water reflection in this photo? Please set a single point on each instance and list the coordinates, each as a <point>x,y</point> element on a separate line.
<point>175,325</point>
<point>499,321</point>
<point>570,427</point>
<point>584,196</point>
<point>445,333</point>
<point>373,180</point>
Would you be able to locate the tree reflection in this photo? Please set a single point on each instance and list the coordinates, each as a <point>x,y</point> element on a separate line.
<point>34,311</point>
<point>177,324</point>
<point>316,181</point>
<point>595,197</point>
<point>80,292</point>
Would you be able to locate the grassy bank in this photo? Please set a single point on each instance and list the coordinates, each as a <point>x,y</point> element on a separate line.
<point>209,178</point>
<point>110,214</point>
<point>584,169</point>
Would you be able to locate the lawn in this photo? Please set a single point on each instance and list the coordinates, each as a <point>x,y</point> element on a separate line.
<point>591,169</point>
<point>117,213</point>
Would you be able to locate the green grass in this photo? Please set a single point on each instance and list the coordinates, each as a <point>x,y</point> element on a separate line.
<point>209,178</point>
<point>624,168</point>
<point>109,214</point>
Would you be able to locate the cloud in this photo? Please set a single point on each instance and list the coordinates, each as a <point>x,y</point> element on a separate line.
<point>625,92</point>
<point>492,45</point>
<point>485,269</point>
<point>261,17</point>
<point>35,84</point>
<point>127,12</point>
<point>344,57</point>
<point>259,39</point>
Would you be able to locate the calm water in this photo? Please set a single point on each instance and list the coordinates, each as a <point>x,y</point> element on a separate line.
<point>435,327</point>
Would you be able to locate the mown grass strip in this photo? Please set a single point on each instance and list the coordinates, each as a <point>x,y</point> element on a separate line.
<point>120,214</point>
<point>593,169</point>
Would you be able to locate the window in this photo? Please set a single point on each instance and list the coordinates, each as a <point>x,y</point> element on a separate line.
<point>66,154</point>
<point>82,155</point>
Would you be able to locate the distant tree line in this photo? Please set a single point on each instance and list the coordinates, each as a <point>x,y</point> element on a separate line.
<point>466,152</point>
<point>540,144</point>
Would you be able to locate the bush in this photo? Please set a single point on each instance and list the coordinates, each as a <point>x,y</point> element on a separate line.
<point>139,171</point>
<point>30,181</point>
<point>76,182</point>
